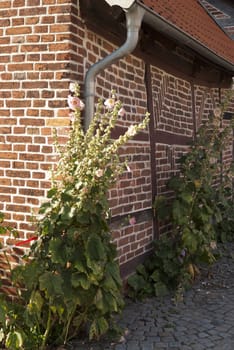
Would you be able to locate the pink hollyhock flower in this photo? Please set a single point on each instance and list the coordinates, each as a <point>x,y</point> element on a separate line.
<point>132,220</point>
<point>75,103</point>
<point>110,103</point>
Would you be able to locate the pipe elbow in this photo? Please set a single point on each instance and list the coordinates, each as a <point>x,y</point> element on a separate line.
<point>134,18</point>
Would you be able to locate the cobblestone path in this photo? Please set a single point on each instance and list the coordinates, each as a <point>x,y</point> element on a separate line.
<point>203,320</point>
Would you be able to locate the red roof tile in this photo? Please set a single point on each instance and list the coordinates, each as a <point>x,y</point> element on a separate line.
<point>190,17</point>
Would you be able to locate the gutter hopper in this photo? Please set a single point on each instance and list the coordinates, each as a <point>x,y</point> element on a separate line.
<point>125,4</point>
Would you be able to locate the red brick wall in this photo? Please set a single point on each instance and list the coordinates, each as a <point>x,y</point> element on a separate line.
<point>34,70</point>
<point>45,45</point>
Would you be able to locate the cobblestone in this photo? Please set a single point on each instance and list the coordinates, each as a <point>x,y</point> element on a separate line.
<point>204,320</point>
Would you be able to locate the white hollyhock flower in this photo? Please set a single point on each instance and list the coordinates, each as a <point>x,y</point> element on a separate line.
<point>72,87</point>
<point>131,131</point>
<point>99,173</point>
<point>110,103</point>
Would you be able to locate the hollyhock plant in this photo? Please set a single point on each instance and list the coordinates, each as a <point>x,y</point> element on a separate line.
<point>72,279</point>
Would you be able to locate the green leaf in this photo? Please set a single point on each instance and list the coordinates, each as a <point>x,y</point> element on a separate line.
<point>66,196</point>
<point>99,301</point>
<point>2,313</point>
<point>51,283</point>
<point>45,208</point>
<point>80,279</point>
<point>51,192</point>
<point>155,276</point>
<point>3,230</point>
<point>28,274</point>
<point>67,212</point>
<point>102,325</point>
<point>179,212</point>
<point>160,289</point>
<point>109,283</point>
<point>1,217</point>
<point>141,270</point>
<point>136,282</point>
<point>187,197</point>
<point>113,269</point>
<point>95,248</point>
<point>14,340</point>
<point>98,327</point>
<point>161,207</point>
<point>56,248</point>
<point>175,183</point>
<point>189,240</point>
<point>112,303</point>
<point>36,302</point>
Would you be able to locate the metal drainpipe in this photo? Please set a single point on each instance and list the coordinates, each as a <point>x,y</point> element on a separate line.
<point>134,18</point>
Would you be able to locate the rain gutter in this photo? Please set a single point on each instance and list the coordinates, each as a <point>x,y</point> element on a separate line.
<point>134,16</point>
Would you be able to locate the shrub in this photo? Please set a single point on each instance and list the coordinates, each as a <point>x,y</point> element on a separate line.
<point>201,212</point>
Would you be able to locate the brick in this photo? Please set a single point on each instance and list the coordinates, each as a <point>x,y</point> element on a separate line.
<point>18,173</point>
<point>8,155</point>
<point>18,103</point>
<point>33,2</point>
<point>32,121</point>
<point>32,192</point>
<point>33,113</point>
<point>47,19</point>
<point>18,30</point>
<point>19,139</point>
<point>57,122</point>
<point>34,157</point>
<point>35,11</point>
<point>59,9</point>
<point>19,200</point>
<point>32,20</point>
<point>4,41</point>
<point>18,3</point>
<point>34,48</point>
<point>18,208</point>
<point>57,28</point>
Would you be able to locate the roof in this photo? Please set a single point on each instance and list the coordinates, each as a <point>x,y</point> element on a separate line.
<point>223,13</point>
<point>190,17</point>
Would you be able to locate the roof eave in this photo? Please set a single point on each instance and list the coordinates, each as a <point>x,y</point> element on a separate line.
<point>160,24</point>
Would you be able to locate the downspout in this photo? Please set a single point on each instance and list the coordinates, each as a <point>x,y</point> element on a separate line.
<point>134,18</point>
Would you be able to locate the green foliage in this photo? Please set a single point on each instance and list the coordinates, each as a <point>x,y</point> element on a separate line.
<point>200,213</point>
<point>71,284</point>
<point>6,229</point>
